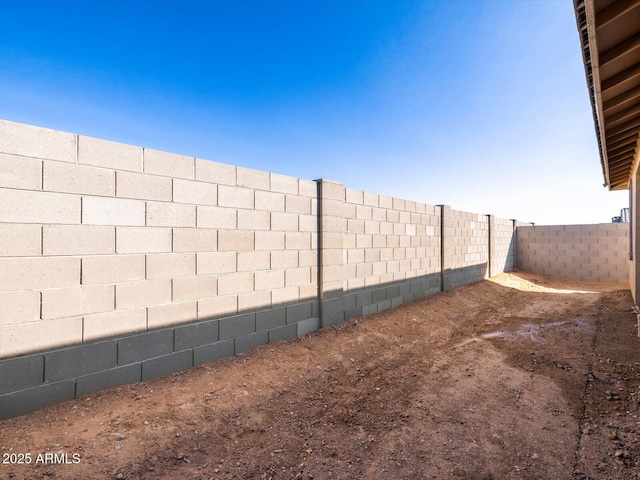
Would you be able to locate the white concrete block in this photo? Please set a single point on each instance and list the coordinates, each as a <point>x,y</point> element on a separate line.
<point>143,186</point>
<point>216,307</point>
<point>254,300</point>
<point>23,206</point>
<point>237,197</point>
<point>268,240</point>
<point>160,214</point>
<point>255,260</point>
<point>269,279</point>
<point>118,322</point>
<point>298,204</point>
<point>297,276</point>
<point>142,294</point>
<point>20,172</point>
<point>73,301</point>
<point>297,240</point>
<point>214,172</point>
<point>216,262</point>
<point>72,178</point>
<point>255,179</point>
<point>254,219</point>
<point>197,193</point>
<point>216,217</point>
<point>103,153</point>
<point>284,184</point>
<point>168,164</point>
<point>194,288</point>
<point>171,314</point>
<point>112,211</point>
<point>194,240</point>
<point>235,283</point>
<point>230,240</point>
<point>31,273</point>
<point>20,240</point>
<point>272,202</point>
<point>284,259</point>
<point>168,265</point>
<point>307,188</point>
<point>19,307</point>
<point>31,337</point>
<point>112,269</point>
<point>286,222</point>
<point>78,240</point>
<point>143,240</point>
<point>285,295</point>
<point>37,142</point>
<point>354,196</point>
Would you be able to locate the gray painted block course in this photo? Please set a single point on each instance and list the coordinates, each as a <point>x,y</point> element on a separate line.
<point>25,401</point>
<point>298,312</point>
<point>370,309</point>
<point>283,333</point>
<point>333,294</point>
<point>393,291</point>
<point>21,373</point>
<point>137,348</point>
<point>109,378</point>
<point>350,301</point>
<point>246,342</point>
<point>214,351</point>
<point>81,360</point>
<point>446,281</point>
<point>190,336</point>
<point>166,364</point>
<point>238,325</point>
<point>384,305</point>
<point>271,319</point>
<point>353,313</point>
<point>364,298</point>
<point>379,295</point>
<point>397,301</point>
<point>308,326</point>
<point>330,320</point>
<point>411,297</point>
<point>332,307</point>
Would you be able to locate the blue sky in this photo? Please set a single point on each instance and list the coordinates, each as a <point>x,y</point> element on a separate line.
<point>478,104</point>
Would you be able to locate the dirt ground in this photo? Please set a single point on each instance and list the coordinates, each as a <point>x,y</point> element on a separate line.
<point>521,376</point>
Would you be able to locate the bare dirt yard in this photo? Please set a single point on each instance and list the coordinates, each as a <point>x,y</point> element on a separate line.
<point>521,376</point>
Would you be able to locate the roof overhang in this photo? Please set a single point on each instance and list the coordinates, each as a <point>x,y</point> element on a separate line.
<point>610,37</point>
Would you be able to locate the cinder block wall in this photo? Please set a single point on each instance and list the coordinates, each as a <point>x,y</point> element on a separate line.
<point>466,247</point>
<point>123,263</point>
<point>597,253</point>
<point>100,239</point>
<point>391,252</point>
<point>503,245</point>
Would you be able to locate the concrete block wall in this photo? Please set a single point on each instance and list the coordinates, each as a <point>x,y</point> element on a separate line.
<point>597,253</point>
<point>503,245</point>
<point>465,247</point>
<point>391,252</point>
<point>122,263</point>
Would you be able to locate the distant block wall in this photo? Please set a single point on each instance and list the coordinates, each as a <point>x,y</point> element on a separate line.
<point>596,253</point>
